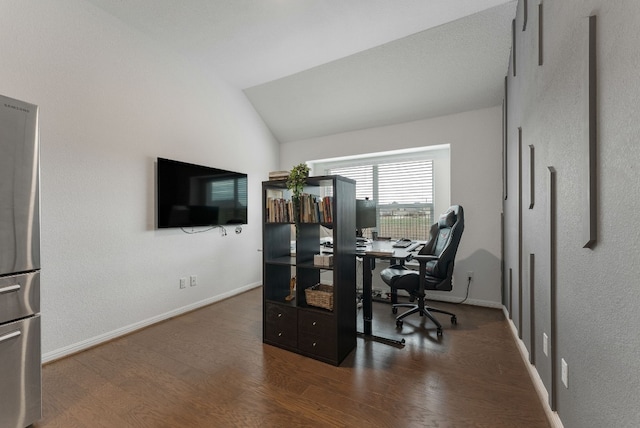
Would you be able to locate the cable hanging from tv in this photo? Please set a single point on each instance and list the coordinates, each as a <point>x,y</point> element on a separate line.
<point>223,231</point>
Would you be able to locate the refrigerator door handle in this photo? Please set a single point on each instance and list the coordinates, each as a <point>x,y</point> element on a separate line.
<point>10,336</point>
<point>9,289</point>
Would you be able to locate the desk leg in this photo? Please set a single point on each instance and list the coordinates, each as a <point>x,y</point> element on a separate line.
<point>367,303</point>
<point>367,291</point>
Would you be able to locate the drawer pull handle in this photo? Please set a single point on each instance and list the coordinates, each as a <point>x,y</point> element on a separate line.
<point>10,288</point>
<point>10,336</point>
<point>279,315</point>
<point>314,323</point>
<point>280,334</point>
<point>314,344</point>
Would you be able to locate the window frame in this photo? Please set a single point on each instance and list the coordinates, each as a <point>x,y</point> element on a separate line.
<point>327,166</point>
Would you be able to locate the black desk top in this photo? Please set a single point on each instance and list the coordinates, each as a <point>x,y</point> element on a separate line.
<point>381,250</point>
<point>386,250</point>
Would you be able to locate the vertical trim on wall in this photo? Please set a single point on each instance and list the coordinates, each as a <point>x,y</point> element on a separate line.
<point>525,8</point>
<point>505,139</point>
<point>553,399</point>
<point>520,232</point>
<point>503,282</point>
<point>532,309</point>
<point>513,47</point>
<point>520,302</point>
<point>504,145</point>
<point>540,25</point>
<point>511,293</point>
<point>591,201</point>
<point>532,184</point>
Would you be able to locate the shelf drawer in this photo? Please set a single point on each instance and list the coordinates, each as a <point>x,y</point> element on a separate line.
<point>281,324</point>
<point>320,347</point>
<point>317,334</point>
<point>315,323</point>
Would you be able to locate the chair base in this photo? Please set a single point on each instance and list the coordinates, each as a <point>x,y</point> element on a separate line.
<point>423,311</point>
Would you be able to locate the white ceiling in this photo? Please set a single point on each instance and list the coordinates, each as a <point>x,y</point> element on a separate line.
<point>318,67</point>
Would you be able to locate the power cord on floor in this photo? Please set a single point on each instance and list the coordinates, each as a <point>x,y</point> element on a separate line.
<point>465,297</point>
<point>456,303</point>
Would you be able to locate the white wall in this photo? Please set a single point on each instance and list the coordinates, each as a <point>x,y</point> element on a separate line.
<point>475,140</point>
<point>111,101</point>
<point>597,289</point>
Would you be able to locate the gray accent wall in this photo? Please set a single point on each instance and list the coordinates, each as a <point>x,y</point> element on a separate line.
<point>597,321</point>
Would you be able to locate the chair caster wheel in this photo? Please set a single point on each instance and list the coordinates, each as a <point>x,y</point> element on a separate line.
<point>439,332</point>
<point>454,320</point>
<point>394,310</point>
<point>399,323</point>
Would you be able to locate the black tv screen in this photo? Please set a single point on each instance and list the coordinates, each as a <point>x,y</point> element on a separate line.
<point>195,195</point>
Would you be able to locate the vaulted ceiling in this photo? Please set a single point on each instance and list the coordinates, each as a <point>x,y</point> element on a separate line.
<point>319,67</point>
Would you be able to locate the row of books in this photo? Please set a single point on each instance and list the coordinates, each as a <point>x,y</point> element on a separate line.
<point>313,209</point>
<point>278,175</point>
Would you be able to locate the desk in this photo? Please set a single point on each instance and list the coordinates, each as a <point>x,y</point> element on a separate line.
<point>377,250</point>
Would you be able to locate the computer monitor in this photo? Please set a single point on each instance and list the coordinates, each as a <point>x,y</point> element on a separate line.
<point>365,215</point>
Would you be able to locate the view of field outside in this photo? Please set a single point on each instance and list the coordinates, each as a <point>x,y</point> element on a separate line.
<point>403,221</point>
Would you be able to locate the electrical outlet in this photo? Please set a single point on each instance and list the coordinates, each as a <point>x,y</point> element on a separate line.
<point>545,344</point>
<point>565,373</point>
<point>183,282</point>
<point>194,280</point>
<point>470,275</point>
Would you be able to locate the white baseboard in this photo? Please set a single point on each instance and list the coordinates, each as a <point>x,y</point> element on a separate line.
<point>97,340</point>
<point>450,299</point>
<point>543,395</point>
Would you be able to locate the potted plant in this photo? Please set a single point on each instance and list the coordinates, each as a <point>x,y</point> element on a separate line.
<point>295,182</point>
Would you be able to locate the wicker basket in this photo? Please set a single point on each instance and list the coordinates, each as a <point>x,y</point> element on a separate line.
<point>320,295</point>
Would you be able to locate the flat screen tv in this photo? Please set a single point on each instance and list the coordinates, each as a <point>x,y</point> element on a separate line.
<point>194,195</point>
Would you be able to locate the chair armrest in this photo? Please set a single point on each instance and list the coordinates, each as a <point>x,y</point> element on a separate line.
<point>423,258</point>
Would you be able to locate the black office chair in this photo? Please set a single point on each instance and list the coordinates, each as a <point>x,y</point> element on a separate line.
<point>436,261</point>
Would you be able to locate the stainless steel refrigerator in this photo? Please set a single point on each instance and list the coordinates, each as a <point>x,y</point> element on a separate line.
<point>20,354</point>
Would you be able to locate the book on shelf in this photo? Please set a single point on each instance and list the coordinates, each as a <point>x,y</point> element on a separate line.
<point>313,209</point>
<point>279,210</point>
<point>278,175</point>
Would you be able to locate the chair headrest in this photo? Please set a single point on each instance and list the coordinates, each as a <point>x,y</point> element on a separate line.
<point>447,219</point>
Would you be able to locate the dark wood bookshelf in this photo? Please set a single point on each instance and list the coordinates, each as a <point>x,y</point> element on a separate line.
<point>325,334</point>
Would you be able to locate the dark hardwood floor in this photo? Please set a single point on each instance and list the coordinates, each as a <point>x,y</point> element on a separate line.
<point>209,368</point>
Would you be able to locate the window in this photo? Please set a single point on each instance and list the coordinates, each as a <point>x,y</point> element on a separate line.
<point>401,185</point>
